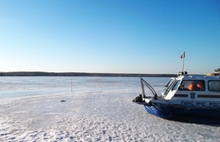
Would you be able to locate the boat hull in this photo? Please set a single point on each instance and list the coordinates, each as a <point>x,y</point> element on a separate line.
<point>182,113</point>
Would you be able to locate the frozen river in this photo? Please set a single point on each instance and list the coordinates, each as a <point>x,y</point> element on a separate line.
<point>87,109</point>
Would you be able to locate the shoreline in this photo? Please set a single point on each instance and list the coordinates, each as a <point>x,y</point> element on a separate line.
<point>37,73</point>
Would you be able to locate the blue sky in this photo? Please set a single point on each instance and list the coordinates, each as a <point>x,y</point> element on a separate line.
<point>110,36</point>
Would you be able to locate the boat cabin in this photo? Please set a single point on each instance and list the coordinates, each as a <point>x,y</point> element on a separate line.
<point>187,87</point>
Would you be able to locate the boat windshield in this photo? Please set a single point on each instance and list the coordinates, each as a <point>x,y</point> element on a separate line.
<point>169,83</point>
<point>167,86</point>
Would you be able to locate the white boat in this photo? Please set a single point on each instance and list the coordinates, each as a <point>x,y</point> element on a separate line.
<point>185,97</point>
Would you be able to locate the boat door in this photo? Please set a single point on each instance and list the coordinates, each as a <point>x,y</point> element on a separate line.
<point>167,87</point>
<point>171,89</point>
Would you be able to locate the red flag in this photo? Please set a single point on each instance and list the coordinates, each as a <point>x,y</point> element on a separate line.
<point>183,55</point>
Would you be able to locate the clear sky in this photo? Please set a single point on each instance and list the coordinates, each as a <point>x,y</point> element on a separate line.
<point>109,36</point>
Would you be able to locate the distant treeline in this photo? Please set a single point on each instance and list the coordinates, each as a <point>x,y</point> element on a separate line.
<point>83,74</point>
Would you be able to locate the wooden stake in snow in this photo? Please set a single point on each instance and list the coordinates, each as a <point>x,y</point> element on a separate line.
<point>71,86</point>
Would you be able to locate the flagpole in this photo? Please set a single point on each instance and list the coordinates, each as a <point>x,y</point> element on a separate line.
<point>183,57</point>
<point>183,64</point>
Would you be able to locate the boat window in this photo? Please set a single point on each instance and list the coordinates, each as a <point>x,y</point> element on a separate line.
<point>214,85</point>
<point>192,85</point>
<point>176,85</point>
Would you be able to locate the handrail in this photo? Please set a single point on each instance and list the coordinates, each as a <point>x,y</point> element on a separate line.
<point>148,86</point>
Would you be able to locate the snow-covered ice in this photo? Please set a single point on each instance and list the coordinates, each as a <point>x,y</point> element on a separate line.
<point>97,109</point>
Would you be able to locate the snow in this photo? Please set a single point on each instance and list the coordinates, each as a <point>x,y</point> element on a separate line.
<point>97,109</point>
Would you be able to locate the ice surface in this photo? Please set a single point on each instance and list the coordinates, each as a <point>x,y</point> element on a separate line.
<point>97,109</point>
